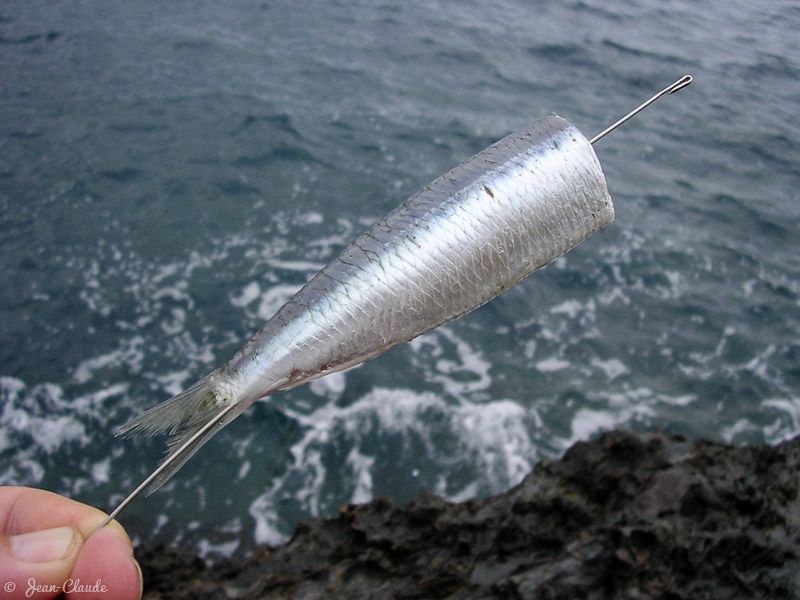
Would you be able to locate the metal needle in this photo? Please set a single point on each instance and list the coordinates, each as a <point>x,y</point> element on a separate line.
<point>671,89</point>
<point>679,84</point>
<point>164,465</point>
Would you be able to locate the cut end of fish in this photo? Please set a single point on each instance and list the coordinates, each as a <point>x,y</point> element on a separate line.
<point>191,417</point>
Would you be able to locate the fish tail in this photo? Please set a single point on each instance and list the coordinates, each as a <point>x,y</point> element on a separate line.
<point>191,417</point>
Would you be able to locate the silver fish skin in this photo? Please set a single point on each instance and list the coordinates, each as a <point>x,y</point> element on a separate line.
<point>456,244</point>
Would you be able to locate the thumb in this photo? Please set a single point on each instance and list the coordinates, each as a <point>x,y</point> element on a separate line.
<point>36,564</point>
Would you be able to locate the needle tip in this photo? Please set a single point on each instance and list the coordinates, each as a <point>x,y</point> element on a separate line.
<point>103,524</point>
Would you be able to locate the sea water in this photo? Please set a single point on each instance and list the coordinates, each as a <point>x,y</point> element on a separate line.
<point>170,173</point>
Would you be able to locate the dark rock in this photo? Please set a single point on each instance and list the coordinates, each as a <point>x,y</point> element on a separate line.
<point>624,516</point>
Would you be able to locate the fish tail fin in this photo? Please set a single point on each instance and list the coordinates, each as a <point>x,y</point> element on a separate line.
<point>191,417</point>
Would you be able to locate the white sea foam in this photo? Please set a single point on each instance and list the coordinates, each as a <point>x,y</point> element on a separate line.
<point>571,308</point>
<point>310,218</point>
<point>206,549</point>
<point>244,469</point>
<point>612,367</point>
<point>492,439</point>
<point>500,432</point>
<point>249,293</point>
<point>273,299</point>
<point>303,266</point>
<point>615,294</point>
<point>679,400</point>
<point>101,471</point>
<point>37,422</point>
<point>787,425</point>
<point>618,408</point>
<point>468,370</point>
<point>361,465</point>
<point>730,432</point>
<point>129,353</point>
<point>458,367</point>
<point>33,413</point>
<point>330,386</point>
<point>329,245</point>
<point>175,381</point>
<point>549,365</point>
<point>586,422</point>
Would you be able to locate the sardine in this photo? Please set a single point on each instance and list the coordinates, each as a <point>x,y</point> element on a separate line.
<point>453,246</point>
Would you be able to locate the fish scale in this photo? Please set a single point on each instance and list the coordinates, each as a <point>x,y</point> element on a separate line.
<point>459,242</point>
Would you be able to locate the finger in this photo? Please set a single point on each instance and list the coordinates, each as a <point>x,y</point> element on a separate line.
<point>31,512</point>
<point>106,567</point>
<point>36,564</point>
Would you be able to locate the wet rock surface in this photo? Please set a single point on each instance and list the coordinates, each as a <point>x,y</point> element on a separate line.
<point>624,516</point>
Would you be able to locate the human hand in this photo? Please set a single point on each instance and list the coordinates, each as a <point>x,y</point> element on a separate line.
<point>46,549</point>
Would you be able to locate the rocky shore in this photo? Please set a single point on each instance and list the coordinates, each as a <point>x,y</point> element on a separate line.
<point>625,516</point>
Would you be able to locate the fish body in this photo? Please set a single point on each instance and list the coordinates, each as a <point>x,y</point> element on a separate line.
<point>456,244</point>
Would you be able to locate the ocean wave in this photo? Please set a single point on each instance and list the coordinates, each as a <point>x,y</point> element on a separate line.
<point>398,443</point>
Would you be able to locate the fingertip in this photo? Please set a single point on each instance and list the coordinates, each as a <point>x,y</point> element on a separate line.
<point>36,524</point>
<point>107,560</point>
